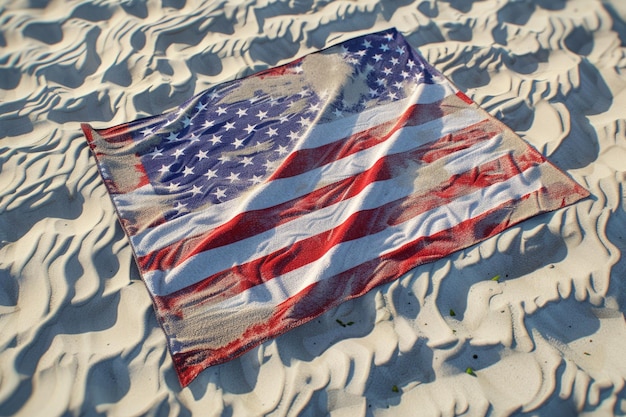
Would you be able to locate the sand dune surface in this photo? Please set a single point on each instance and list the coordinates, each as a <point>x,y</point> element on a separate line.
<point>78,335</point>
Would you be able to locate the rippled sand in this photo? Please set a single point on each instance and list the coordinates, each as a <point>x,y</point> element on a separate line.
<point>78,335</point>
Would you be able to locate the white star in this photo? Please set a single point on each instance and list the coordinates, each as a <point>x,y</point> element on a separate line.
<point>208,123</point>
<point>188,171</point>
<point>367,44</point>
<point>273,101</point>
<point>177,153</point>
<point>242,112</point>
<point>223,158</point>
<point>261,115</point>
<point>219,193</point>
<point>373,93</point>
<point>180,207</point>
<point>380,81</point>
<point>315,107</point>
<point>254,99</point>
<point>220,110</point>
<point>361,53</point>
<point>404,74</point>
<point>292,135</point>
<point>216,139</point>
<point>211,173</point>
<point>237,143</point>
<point>410,64</point>
<point>246,160</point>
<point>196,190</point>
<point>304,93</point>
<point>392,96</point>
<point>214,95</point>
<point>377,57</point>
<point>397,84</point>
<point>200,106</point>
<point>298,69</point>
<point>400,50</point>
<point>387,71</point>
<point>384,47</point>
<point>394,61</point>
<point>202,155</point>
<point>283,119</point>
<point>146,132</point>
<point>233,177</point>
<point>272,132</point>
<point>389,36</point>
<point>271,165</point>
<point>282,150</point>
<point>256,179</point>
<point>165,168</point>
<point>156,152</point>
<point>174,186</point>
<point>194,138</point>
<point>230,125</point>
<point>171,137</point>
<point>250,128</point>
<point>304,121</point>
<point>186,121</point>
<point>338,113</point>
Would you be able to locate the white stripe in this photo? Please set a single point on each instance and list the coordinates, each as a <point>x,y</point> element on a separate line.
<point>135,202</point>
<point>285,189</point>
<point>215,260</point>
<point>353,253</point>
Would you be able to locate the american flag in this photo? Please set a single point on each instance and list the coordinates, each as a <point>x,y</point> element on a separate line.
<point>263,202</point>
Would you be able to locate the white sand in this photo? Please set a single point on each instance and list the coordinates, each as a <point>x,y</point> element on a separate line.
<point>77,331</point>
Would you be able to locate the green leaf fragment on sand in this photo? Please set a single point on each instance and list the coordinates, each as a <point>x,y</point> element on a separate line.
<point>341,323</point>
<point>496,278</point>
<point>452,313</point>
<point>470,371</point>
<point>395,388</point>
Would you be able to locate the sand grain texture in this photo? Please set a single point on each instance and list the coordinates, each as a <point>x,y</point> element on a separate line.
<point>78,335</point>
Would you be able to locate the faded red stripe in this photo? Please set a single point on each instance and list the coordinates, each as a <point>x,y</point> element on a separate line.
<point>324,295</point>
<point>233,281</point>
<point>254,222</point>
<point>119,136</point>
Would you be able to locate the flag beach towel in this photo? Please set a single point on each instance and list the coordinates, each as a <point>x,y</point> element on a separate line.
<point>263,202</point>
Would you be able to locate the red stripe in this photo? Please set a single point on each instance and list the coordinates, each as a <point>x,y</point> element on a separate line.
<point>324,295</point>
<point>464,97</point>
<point>234,280</point>
<point>254,222</point>
<point>116,134</point>
<point>143,179</point>
<point>281,70</point>
<point>308,159</point>
<point>88,132</point>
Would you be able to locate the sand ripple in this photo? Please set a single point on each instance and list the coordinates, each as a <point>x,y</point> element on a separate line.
<point>77,331</point>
